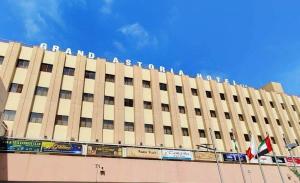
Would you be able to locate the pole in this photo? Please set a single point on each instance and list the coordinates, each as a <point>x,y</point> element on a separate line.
<point>241,166</point>
<point>261,169</point>
<point>278,167</point>
<point>294,164</point>
<point>217,159</point>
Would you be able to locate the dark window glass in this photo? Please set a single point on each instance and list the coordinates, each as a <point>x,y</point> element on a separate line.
<point>16,88</point>
<point>128,102</point>
<point>181,109</point>
<point>248,100</point>
<point>260,102</point>
<point>218,135</point>
<point>266,120</point>
<point>198,111</point>
<point>109,100</point>
<point>278,122</point>
<point>246,136</point>
<point>109,78</point>
<point>86,122</point>
<point>90,75</point>
<point>296,141</point>
<point>35,117</point>
<point>147,105</point>
<point>9,115</point>
<point>69,71</point>
<point>46,67</point>
<point>179,89</point>
<point>222,96</point>
<point>253,119</point>
<point>163,86</point>
<point>22,63</point>
<point>65,94</point>
<point>149,128</point>
<point>165,107</point>
<point>290,124</point>
<point>129,126</point>
<point>108,124</point>
<point>272,104</point>
<point>128,81</point>
<point>235,98</point>
<point>208,94</point>
<point>273,140</point>
<point>194,92</point>
<point>213,114</point>
<point>146,84</point>
<point>231,135</point>
<point>201,133</point>
<point>88,97</point>
<point>41,91</point>
<point>241,117</point>
<point>282,106</point>
<point>259,138</point>
<point>227,115</point>
<point>61,120</point>
<point>185,131</point>
<point>167,130</point>
<point>293,107</point>
<point>1,59</point>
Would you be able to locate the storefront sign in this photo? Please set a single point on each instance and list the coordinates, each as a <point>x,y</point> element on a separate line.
<point>143,153</point>
<point>177,155</point>
<point>263,160</point>
<point>234,157</point>
<point>101,150</point>
<point>204,156</point>
<point>280,160</point>
<point>61,147</point>
<point>20,145</point>
<point>289,161</point>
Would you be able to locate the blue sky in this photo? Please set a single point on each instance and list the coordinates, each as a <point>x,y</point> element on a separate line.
<point>251,42</point>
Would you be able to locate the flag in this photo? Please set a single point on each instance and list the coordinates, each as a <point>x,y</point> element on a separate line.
<point>265,146</point>
<point>235,145</point>
<point>251,151</point>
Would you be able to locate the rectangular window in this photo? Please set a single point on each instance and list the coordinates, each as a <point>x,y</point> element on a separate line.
<point>282,106</point>
<point>213,114</point>
<point>266,120</point>
<point>46,67</point>
<point>181,109</point>
<point>61,120</point>
<point>167,130</point>
<point>194,92</point>
<point>163,86</point>
<point>253,119</point>
<point>246,136</point>
<point>208,94</point>
<point>290,124</point>
<point>109,100</point>
<point>1,59</point>
<point>149,128</point>
<point>88,97</point>
<point>129,126</point>
<point>90,75</point>
<point>16,88</point>
<point>227,115</point>
<point>260,102</point>
<point>218,135</point>
<point>231,135</point>
<point>222,96</point>
<point>35,117</point>
<point>109,78</point>
<point>22,63</point>
<point>241,117</point>
<point>294,107</point>
<point>9,115</point>
<point>296,141</point>
<point>128,81</point>
<point>201,133</point>
<point>108,124</point>
<point>128,102</point>
<point>146,84</point>
<point>278,122</point>
<point>248,100</point>
<point>69,71</point>
<point>198,111</point>
<point>147,105</point>
<point>41,91</point>
<point>86,122</point>
<point>165,107</point>
<point>272,104</point>
<point>235,98</point>
<point>179,89</point>
<point>65,94</point>
<point>273,140</point>
<point>259,138</point>
<point>185,131</point>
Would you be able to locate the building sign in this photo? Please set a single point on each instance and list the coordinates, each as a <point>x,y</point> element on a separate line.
<point>143,153</point>
<point>280,160</point>
<point>263,160</point>
<point>177,155</point>
<point>102,150</point>
<point>204,156</point>
<point>61,147</point>
<point>234,157</point>
<point>20,145</point>
<point>289,161</point>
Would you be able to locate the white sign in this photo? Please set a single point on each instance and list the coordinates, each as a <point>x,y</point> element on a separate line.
<point>263,160</point>
<point>177,155</point>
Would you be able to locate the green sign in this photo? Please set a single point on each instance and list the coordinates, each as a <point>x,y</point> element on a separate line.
<point>11,145</point>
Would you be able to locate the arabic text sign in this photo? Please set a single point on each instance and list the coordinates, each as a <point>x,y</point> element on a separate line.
<point>101,150</point>
<point>20,145</point>
<point>143,153</point>
<point>289,161</point>
<point>177,155</point>
<point>204,156</point>
<point>61,147</point>
<point>263,160</point>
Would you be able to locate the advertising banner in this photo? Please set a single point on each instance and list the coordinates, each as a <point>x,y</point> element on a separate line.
<point>263,160</point>
<point>280,160</point>
<point>11,145</point>
<point>234,157</point>
<point>102,150</point>
<point>177,155</point>
<point>61,148</point>
<point>204,156</point>
<point>289,161</point>
<point>143,153</point>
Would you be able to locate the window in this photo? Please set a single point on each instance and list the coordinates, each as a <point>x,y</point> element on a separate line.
<point>149,128</point>
<point>165,107</point>
<point>86,122</point>
<point>146,84</point>
<point>273,140</point>
<point>260,102</point>
<point>61,120</point>
<point>46,67</point>
<point>108,124</point>
<point>282,106</point>
<point>227,115</point>
<point>213,114</point>
<point>218,135</point>
<point>271,103</point>
<point>9,115</point>
<point>278,122</point>
<point>294,108</point>
<point>128,102</point>
<point>208,94</point>
<point>290,124</point>
<point>109,100</point>
<point>167,130</point>
<point>90,75</point>
<point>194,92</point>
<point>129,126</point>
<point>253,119</point>
<point>185,131</point>
<point>266,120</point>
<point>222,96</point>
<point>1,59</point>
<point>201,133</point>
<point>231,135</point>
<point>65,94</point>
<point>241,117</point>
<point>128,81</point>
<point>16,88</point>
<point>198,111</point>
<point>179,89</point>
<point>22,63</point>
<point>248,100</point>
<point>69,71</point>
<point>35,117</point>
<point>181,109</point>
<point>147,105</point>
<point>296,141</point>
<point>259,138</point>
<point>246,136</point>
<point>88,97</point>
<point>235,98</point>
<point>163,86</point>
<point>109,78</point>
<point>41,91</point>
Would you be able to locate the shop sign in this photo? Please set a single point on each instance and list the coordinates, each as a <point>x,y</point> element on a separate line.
<point>289,161</point>
<point>234,157</point>
<point>20,145</point>
<point>177,155</point>
<point>61,147</point>
<point>263,160</point>
<point>280,160</point>
<point>143,153</point>
<point>102,150</point>
<point>204,156</point>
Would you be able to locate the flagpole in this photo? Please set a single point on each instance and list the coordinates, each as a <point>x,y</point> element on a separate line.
<point>242,169</point>
<point>294,164</point>
<point>261,169</point>
<point>217,159</point>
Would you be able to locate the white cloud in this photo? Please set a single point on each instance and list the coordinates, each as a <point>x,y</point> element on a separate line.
<point>119,46</point>
<point>106,7</point>
<point>138,34</point>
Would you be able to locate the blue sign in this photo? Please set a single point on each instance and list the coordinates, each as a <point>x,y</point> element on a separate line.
<point>234,157</point>
<point>61,148</point>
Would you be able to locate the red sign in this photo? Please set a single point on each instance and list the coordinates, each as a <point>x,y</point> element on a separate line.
<point>290,162</point>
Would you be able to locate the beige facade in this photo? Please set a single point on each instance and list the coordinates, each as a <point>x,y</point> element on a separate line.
<point>53,95</point>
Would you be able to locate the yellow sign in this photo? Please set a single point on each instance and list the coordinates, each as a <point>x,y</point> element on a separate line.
<point>143,153</point>
<point>204,156</point>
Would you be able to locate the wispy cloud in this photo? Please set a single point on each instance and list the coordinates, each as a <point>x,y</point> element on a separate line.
<point>106,7</point>
<point>138,33</point>
<point>119,46</point>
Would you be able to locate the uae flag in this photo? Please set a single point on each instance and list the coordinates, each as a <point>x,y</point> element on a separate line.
<point>251,151</point>
<point>265,147</point>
